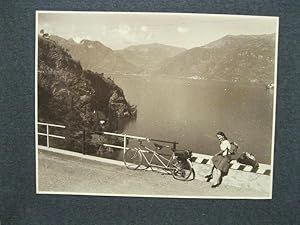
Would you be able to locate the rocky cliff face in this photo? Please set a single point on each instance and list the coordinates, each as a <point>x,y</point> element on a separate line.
<point>74,97</point>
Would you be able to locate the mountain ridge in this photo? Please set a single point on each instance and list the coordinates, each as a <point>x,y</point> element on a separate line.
<point>148,56</point>
<point>95,56</point>
<point>243,58</point>
<point>238,58</point>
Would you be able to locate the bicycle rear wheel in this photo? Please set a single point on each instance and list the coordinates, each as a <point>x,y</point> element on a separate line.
<point>132,158</point>
<point>182,169</point>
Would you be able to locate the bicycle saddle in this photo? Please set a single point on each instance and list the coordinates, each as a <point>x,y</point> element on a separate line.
<point>158,146</point>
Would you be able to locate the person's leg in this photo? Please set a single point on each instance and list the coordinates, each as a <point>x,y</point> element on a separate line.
<point>210,176</point>
<point>212,170</point>
<point>218,179</point>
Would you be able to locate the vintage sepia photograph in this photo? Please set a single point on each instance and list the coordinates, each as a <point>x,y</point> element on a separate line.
<point>168,105</point>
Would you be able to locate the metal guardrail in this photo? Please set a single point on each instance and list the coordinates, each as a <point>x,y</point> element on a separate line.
<point>47,134</point>
<point>201,158</point>
<point>125,136</point>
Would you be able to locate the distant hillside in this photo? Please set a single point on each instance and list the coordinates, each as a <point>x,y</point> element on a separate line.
<point>148,56</point>
<point>247,58</point>
<point>95,56</point>
<point>74,97</point>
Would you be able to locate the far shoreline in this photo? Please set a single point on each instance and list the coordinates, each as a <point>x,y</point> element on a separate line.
<point>248,83</point>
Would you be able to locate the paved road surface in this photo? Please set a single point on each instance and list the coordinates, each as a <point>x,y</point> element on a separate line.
<point>61,173</point>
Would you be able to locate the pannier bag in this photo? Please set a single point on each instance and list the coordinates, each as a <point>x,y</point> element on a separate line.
<point>233,148</point>
<point>183,154</point>
<point>248,159</point>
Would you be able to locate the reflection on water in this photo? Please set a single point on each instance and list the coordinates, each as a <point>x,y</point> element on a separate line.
<point>191,112</point>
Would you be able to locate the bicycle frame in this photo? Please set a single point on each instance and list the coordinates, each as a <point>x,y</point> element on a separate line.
<point>180,168</point>
<point>157,156</point>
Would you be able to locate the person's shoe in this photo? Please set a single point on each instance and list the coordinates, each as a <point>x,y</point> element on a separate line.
<point>208,177</point>
<point>215,185</point>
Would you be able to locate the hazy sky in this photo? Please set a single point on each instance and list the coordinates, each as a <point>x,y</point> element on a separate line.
<point>120,30</point>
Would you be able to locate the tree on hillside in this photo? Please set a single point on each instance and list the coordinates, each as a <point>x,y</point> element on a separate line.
<point>43,34</point>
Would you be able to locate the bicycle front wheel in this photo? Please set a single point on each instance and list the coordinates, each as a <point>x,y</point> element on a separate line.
<point>132,158</point>
<point>182,169</point>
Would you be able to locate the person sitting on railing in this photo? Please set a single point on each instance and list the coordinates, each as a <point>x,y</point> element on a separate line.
<point>221,160</point>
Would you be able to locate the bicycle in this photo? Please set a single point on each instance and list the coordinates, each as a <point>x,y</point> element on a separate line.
<point>179,163</point>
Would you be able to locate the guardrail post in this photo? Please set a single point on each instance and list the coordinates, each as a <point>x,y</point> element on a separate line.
<point>174,145</point>
<point>47,134</point>
<point>48,144</point>
<point>124,149</point>
<point>83,142</point>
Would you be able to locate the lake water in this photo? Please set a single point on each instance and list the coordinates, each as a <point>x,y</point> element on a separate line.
<point>192,111</point>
